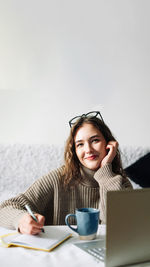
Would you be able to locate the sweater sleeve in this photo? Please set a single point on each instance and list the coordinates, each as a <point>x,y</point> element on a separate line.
<point>109,181</point>
<point>38,196</point>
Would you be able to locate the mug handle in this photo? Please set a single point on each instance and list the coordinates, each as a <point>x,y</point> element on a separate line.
<point>66,221</point>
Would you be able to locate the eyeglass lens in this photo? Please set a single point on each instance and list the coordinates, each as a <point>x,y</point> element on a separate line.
<point>89,114</point>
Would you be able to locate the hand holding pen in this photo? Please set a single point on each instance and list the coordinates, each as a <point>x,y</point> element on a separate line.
<point>32,215</point>
<point>31,223</point>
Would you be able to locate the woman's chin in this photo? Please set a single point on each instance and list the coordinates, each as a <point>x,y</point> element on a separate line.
<point>93,167</point>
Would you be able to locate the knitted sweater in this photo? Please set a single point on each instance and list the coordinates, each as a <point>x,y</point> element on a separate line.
<point>48,197</point>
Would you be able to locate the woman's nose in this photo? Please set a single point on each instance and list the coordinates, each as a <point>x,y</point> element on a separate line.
<point>87,147</point>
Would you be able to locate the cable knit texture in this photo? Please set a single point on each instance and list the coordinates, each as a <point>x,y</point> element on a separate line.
<point>48,197</point>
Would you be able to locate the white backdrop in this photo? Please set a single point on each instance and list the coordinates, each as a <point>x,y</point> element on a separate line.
<point>61,58</point>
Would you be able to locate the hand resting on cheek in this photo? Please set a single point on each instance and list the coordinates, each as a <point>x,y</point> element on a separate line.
<point>112,150</point>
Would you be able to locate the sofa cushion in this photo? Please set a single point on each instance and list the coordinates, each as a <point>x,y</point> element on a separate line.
<point>139,172</point>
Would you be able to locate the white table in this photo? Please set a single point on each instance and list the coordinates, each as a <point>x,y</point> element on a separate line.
<point>66,255</point>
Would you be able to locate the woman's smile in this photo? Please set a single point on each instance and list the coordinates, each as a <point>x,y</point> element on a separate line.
<point>92,157</point>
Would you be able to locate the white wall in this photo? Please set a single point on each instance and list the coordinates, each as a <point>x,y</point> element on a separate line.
<point>61,58</point>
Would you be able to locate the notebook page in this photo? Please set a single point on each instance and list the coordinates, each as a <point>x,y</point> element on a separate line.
<point>34,241</point>
<point>42,240</point>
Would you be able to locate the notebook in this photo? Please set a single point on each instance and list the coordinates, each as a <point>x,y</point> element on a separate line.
<point>127,229</point>
<point>44,241</point>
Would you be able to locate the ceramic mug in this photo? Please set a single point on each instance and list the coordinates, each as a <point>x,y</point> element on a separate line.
<point>87,222</point>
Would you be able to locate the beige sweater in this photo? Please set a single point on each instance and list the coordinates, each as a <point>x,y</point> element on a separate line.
<point>48,197</point>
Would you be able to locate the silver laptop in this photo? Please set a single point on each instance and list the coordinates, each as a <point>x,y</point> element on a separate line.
<point>127,230</point>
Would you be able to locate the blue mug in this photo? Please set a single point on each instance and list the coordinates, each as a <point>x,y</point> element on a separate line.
<point>87,222</point>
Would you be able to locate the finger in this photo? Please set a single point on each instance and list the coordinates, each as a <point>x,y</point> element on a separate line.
<point>37,224</point>
<point>111,153</point>
<point>114,144</point>
<point>40,218</point>
<point>36,231</point>
<point>29,229</point>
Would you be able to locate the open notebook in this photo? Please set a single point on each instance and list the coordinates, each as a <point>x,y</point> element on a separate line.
<point>44,241</point>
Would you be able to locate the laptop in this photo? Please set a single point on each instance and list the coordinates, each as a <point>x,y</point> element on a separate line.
<point>127,230</point>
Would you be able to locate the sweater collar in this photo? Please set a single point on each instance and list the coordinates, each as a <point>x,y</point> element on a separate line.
<point>87,177</point>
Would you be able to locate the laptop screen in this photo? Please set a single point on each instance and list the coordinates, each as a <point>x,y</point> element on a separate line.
<point>128,227</point>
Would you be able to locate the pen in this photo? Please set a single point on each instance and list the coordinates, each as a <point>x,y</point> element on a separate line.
<point>32,215</point>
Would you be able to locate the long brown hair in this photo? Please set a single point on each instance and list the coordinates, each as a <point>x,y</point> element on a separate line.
<point>72,163</point>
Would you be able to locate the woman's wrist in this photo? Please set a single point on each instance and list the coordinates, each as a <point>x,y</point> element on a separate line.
<point>104,173</point>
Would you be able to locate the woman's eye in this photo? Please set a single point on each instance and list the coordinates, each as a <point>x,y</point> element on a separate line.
<point>95,140</point>
<point>79,145</point>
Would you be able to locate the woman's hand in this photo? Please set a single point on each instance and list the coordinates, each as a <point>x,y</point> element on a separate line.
<point>112,150</point>
<point>27,225</point>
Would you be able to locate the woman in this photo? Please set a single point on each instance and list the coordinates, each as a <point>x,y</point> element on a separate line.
<point>92,167</point>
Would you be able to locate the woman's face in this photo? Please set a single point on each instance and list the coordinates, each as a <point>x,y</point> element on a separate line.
<point>90,146</point>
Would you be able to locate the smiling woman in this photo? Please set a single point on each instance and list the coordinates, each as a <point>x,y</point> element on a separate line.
<point>92,167</point>
<point>92,145</point>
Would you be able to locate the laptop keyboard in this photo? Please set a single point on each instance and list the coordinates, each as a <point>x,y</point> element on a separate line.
<point>95,248</point>
<point>98,253</point>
